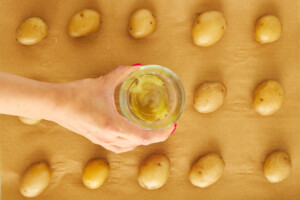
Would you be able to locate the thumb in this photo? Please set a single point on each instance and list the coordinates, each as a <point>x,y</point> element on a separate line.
<point>119,74</point>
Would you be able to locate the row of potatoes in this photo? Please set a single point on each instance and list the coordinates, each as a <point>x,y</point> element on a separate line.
<point>208,28</point>
<point>154,172</point>
<point>268,97</point>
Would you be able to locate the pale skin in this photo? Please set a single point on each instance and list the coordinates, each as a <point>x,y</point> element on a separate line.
<point>85,107</point>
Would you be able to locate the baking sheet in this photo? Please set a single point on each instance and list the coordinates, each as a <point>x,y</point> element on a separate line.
<point>242,137</point>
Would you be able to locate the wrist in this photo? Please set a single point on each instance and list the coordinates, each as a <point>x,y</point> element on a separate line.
<point>62,101</point>
<point>55,101</point>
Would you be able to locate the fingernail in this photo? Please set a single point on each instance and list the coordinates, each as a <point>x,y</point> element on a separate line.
<point>137,64</point>
<point>175,125</point>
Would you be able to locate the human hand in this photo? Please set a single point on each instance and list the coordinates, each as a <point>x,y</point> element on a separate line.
<point>87,107</point>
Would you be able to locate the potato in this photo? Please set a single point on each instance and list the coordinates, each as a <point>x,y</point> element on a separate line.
<point>35,180</point>
<point>207,170</point>
<point>142,23</point>
<point>268,98</point>
<point>154,171</point>
<point>268,29</point>
<point>209,97</point>
<point>277,166</point>
<point>208,28</point>
<point>95,173</point>
<point>84,23</point>
<point>31,31</point>
<point>29,121</point>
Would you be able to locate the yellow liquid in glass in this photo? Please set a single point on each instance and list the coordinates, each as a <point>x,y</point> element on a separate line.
<point>148,98</point>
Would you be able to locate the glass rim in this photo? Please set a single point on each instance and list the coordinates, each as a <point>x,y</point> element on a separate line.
<point>124,101</point>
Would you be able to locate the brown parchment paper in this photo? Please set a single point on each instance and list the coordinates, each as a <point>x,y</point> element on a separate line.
<point>242,137</point>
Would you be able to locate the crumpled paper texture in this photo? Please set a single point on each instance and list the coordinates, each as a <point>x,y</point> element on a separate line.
<point>235,131</point>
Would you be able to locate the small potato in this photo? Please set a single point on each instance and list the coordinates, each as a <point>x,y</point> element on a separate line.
<point>209,97</point>
<point>277,166</point>
<point>268,29</point>
<point>207,170</point>
<point>84,23</point>
<point>29,121</point>
<point>208,28</point>
<point>31,31</point>
<point>142,23</point>
<point>35,180</point>
<point>154,171</point>
<point>268,98</point>
<point>95,173</point>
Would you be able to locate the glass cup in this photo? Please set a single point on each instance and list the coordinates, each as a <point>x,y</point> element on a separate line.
<point>172,92</point>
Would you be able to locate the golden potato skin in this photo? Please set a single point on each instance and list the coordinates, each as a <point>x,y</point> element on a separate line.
<point>207,170</point>
<point>154,171</point>
<point>35,180</point>
<point>95,173</point>
<point>142,23</point>
<point>268,98</point>
<point>268,29</point>
<point>277,166</point>
<point>208,28</point>
<point>84,22</point>
<point>209,97</point>
<point>31,31</point>
<point>29,121</point>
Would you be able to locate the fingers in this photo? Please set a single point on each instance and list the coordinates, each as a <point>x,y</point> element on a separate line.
<point>112,146</point>
<point>123,142</point>
<point>135,133</point>
<point>119,74</point>
<point>116,141</point>
<point>131,136</point>
<point>161,135</point>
